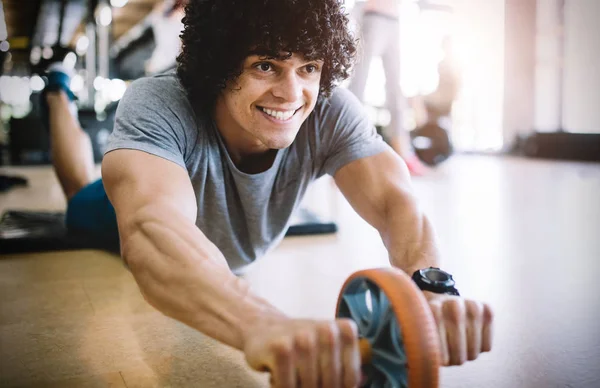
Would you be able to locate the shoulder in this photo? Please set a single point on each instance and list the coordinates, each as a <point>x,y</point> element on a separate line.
<point>339,116</point>
<point>343,132</point>
<point>159,97</point>
<point>340,102</point>
<point>159,93</point>
<point>162,85</point>
<point>340,109</point>
<point>156,116</point>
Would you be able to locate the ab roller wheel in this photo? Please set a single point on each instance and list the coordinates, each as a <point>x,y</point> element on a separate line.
<point>398,336</point>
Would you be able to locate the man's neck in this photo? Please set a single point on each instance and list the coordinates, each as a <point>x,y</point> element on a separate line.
<point>248,155</point>
<point>255,163</point>
<point>251,160</point>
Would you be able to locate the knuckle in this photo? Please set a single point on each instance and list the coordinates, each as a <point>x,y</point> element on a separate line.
<point>474,309</point>
<point>281,349</point>
<point>436,310</point>
<point>304,341</point>
<point>488,314</point>
<point>348,330</point>
<point>453,312</point>
<point>327,334</point>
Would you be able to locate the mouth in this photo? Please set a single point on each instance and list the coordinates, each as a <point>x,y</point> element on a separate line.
<point>277,115</point>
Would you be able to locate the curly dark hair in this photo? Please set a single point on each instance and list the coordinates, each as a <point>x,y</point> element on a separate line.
<point>220,34</point>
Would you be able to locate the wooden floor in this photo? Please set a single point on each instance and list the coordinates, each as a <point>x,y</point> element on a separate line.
<point>523,235</point>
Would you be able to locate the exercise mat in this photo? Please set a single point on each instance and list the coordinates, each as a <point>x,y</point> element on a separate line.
<point>24,231</point>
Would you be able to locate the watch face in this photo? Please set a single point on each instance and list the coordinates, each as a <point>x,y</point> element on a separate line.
<point>437,277</point>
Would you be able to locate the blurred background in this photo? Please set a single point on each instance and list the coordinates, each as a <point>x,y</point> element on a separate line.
<point>106,45</point>
<point>502,100</point>
<point>523,66</point>
<point>524,70</point>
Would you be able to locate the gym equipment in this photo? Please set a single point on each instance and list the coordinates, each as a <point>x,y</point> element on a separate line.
<point>7,182</point>
<point>431,143</point>
<point>562,145</point>
<point>305,223</point>
<point>398,336</point>
<point>34,231</point>
<point>29,142</point>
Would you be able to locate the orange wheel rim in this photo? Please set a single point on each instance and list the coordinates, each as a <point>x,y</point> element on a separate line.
<point>394,316</point>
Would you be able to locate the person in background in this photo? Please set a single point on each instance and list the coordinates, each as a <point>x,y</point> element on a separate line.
<point>379,37</point>
<point>166,25</point>
<point>71,152</point>
<point>432,107</point>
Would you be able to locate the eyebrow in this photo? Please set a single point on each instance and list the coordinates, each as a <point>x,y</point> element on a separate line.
<point>265,58</point>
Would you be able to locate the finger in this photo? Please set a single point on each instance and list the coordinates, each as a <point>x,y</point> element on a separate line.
<point>454,319</point>
<point>283,374</point>
<point>474,325</point>
<point>307,359</point>
<point>436,309</point>
<point>329,355</point>
<point>487,330</point>
<point>351,368</point>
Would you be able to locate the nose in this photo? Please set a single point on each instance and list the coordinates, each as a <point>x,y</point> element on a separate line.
<point>288,87</point>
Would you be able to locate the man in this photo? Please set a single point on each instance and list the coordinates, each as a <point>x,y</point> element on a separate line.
<point>436,105</point>
<point>205,168</point>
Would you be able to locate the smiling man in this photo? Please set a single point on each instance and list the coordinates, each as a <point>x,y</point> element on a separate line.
<point>206,166</point>
<point>269,101</point>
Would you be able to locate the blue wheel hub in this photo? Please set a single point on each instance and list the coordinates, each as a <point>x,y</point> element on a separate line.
<point>368,306</point>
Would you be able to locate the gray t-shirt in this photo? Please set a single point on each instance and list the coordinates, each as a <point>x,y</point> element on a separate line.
<point>242,214</point>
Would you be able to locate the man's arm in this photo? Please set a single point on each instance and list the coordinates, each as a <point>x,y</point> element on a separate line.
<point>185,276</point>
<point>379,189</point>
<point>179,271</point>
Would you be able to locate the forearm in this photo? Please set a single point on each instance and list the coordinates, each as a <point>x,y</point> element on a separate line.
<point>408,234</point>
<point>182,274</point>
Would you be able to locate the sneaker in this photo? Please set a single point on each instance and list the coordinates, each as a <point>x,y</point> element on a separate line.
<point>59,78</point>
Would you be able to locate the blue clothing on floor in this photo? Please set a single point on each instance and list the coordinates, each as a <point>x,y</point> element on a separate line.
<point>90,212</point>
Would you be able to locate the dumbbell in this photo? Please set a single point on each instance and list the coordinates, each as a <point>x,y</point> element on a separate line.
<point>398,337</point>
<point>431,143</point>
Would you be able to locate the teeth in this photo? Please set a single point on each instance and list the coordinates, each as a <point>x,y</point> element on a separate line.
<point>279,115</point>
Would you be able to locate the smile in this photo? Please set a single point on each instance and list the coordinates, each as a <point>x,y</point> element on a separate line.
<point>281,115</point>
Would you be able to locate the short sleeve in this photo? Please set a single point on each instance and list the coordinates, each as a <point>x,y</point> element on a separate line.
<point>155,116</point>
<point>345,132</point>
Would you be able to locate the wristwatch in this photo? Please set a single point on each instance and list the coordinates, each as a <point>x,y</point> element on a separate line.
<point>435,280</point>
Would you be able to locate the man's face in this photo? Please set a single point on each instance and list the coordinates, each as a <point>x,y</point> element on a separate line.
<point>266,105</point>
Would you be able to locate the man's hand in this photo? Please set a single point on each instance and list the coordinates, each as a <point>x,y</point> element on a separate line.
<point>305,353</point>
<point>464,327</point>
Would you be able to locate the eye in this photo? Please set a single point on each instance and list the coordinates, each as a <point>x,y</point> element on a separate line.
<point>311,68</point>
<point>264,67</point>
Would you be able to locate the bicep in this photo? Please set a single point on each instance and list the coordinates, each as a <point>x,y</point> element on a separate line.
<point>369,184</point>
<point>135,179</point>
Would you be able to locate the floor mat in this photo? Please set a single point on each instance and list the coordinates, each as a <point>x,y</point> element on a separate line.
<point>24,231</point>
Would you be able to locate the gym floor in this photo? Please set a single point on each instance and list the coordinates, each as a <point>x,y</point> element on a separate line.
<point>522,234</point>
